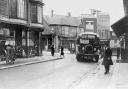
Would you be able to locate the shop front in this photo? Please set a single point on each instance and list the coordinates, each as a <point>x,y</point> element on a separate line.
<point>25,39</point>
<point>120,29</point>
<point>27,42</point>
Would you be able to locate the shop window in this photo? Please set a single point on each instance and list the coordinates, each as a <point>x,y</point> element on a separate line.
<point>23,38</point>
<point>31,39</point>
<point>23,34</point>
<point>4,31</point>
<point>12,33</point>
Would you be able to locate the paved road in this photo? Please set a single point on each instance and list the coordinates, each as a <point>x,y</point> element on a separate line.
<point>59,74</point>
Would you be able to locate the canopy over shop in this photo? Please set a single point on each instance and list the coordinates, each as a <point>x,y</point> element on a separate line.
<point>121,26</point>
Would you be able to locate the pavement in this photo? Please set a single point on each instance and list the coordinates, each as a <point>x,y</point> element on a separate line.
<point>116,79</point>
<point>46,56</point>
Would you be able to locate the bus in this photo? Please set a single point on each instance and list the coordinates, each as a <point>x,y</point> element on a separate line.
<point>87,47</point>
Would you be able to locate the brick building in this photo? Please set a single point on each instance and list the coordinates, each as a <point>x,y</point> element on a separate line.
<point>63,31</point>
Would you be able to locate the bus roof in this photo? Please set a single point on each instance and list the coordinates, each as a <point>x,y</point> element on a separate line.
<point>91,33</point>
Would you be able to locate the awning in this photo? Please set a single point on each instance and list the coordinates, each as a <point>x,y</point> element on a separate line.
<point>121,26</point>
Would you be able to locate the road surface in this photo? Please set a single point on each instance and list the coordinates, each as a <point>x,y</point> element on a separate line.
<point>58,74</point>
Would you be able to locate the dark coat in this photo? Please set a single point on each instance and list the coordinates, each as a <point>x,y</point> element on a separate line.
<point>107,59</point>
<point>52,50</point>
<point>62,51</point>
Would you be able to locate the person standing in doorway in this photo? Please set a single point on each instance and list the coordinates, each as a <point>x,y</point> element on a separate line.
<point>52,50</point>
<point>62,52</point>
<point>107,59</point>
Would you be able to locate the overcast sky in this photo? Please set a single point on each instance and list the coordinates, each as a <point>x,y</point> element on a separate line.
<point>77,7</point>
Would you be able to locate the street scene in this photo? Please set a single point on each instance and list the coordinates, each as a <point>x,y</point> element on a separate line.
<point>63,44</point>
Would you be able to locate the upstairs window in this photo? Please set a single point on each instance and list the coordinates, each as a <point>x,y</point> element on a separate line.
<point>33,13</point>
<point>36,13</point>
<point>39,14</point>
<point>21,9</point>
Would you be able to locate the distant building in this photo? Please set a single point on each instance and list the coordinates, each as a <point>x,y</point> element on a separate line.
<point>89,22</point>
<point>103,25</point>
<point>64,31</point>
<point>97,22</point>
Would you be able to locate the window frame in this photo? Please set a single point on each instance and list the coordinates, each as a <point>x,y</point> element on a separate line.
<point>38,18</point>
<point>22,9</point>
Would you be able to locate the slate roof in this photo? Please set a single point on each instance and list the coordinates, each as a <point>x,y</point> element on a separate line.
<point>47,30</point>
<point>63,20</point>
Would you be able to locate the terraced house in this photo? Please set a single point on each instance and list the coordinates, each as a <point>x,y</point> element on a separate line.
<point>21,25</point>
<point>63,31</point>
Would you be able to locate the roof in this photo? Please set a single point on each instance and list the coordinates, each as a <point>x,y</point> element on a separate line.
<point>47,30</point>
<point>63,20</point>
<point>120,27</point>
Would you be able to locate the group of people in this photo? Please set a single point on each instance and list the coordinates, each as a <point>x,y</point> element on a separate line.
<point>8,53</point>
<point>61,51</point>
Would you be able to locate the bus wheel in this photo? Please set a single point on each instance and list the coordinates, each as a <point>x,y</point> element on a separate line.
<point>78,59</point>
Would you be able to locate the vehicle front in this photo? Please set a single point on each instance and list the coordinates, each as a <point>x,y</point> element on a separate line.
<point>87,48</point>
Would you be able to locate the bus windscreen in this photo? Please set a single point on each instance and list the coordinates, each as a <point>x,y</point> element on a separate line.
<point>83,41</point>
<point>88,36</point>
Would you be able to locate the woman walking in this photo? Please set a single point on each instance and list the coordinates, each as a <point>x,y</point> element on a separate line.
<point>107,60</point>
<point>62,52</point>
<point>52,50</point>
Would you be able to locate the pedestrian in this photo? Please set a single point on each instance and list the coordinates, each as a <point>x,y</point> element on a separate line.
<point>12,54</point>
<point>52,50</point>
<point>118,52</point>
<point>62,52</point>
<point>8,53</point>
<point>107,59</point>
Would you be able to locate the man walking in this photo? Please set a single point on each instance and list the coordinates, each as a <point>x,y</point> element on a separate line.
<point>52,50</point>
<point>107,60</point>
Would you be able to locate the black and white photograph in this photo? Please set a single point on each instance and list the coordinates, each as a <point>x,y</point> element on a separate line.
<point>63,44</point>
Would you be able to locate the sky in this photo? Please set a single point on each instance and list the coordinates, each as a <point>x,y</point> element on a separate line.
<point>77,7</point>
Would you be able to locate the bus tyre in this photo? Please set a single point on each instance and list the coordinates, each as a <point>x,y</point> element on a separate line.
<point>78,59</point>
